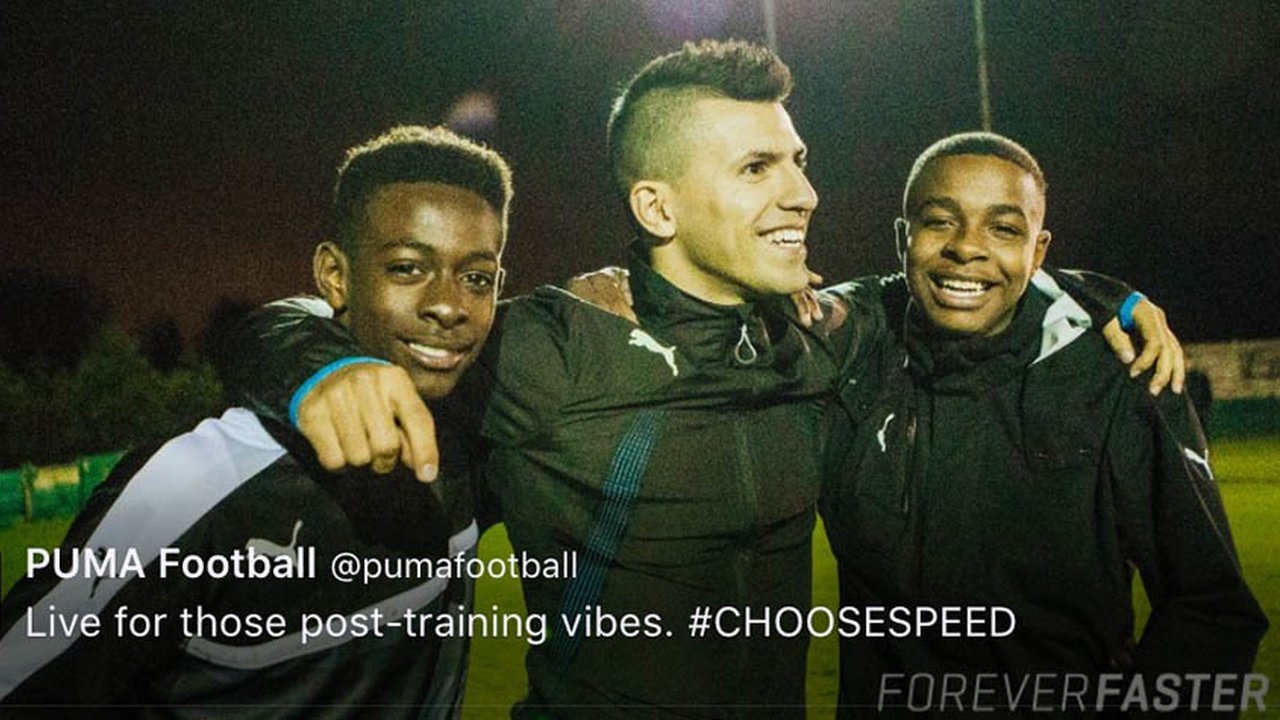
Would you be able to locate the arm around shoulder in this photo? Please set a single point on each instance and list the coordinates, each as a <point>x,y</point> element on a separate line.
<point>278,348</point>
<point>526,372</point>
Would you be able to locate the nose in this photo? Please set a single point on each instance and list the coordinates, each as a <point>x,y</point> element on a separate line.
<point>799,193</point>
<point>967,244</point>
<point>445,303</point>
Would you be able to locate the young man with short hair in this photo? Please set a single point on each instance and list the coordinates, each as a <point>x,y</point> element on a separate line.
<point>411,272</point>
<point>994,455</point>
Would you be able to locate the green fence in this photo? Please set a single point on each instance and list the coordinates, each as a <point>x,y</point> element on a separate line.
<point>1246,417</point>
<point>52,491</point>
<point>13,493</point>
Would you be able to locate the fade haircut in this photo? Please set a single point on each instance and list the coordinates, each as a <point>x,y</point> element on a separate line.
<point>644,131</point>
<point>413,153</point>
<point>974,143</point>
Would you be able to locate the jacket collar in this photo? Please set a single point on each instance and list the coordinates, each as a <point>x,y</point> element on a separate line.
<point>705,332</point>
<point>971,365</point>
<point>1064,321</point>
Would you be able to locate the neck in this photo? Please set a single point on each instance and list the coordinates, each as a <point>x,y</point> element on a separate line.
<point>669,261</point>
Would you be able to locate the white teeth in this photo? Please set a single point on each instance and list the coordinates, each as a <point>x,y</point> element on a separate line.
<point>963,287</point>
<point>787,236</point>
<point>430,351</point>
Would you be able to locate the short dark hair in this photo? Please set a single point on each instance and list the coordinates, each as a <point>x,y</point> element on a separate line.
<point>974,143</point>
<point>648,112</point>
<point>414,153</point>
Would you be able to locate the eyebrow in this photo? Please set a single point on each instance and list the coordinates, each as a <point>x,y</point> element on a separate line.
<point>1007,210</point>
<point>949,204</point>
<point>945,203</point>
<point>801,153</point>
<point>428,249</point>
<point>757,155</point>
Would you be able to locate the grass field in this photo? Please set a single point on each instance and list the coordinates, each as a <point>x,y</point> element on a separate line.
<point>1248,471</point>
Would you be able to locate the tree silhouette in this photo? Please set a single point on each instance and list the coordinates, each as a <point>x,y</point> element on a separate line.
<point>49,321</point>
<point>161,344</point>
<point>215,345</point>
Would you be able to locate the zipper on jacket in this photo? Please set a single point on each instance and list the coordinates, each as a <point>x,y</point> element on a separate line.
<point>909,465</point>
<point>744,352</point>
<point>743,555</point>
<point>917,471</point>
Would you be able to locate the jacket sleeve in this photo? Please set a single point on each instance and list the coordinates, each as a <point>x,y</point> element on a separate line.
<point>857,316</point>
<point>524,375</point>
<point>43,666</point>
<point>1204,618</point>
<point>89,672</point>
<point>278,348</point>
<point>284,345</point>
<point>1100,295</point>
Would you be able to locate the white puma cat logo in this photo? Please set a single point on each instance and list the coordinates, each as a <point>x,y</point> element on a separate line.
<point>271,549</point>
<point>880,433</point>
<point>1202,461</point>
<point>640,338</point>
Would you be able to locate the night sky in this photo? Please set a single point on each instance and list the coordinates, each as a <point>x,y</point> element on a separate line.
<point>176,153</point>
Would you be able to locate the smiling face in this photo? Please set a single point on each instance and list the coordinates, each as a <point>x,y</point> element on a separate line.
<point>975,238</point>
<point>420,286</point>
<point>739,210</point>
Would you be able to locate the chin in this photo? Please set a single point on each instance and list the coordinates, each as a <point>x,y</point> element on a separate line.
<point>946,322</point>
<point>435,387</point>
<point>973,327</point>
<point>785,285</point>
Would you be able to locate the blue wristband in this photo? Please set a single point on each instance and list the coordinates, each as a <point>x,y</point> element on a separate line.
<point>321,374</point>
<point>1126,310</point>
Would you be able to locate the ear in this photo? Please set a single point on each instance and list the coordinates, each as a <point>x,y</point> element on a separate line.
<point>332,274</point>
<point>650,202</point>
<point>901,228</point>
<point>1042,248</point>
<point>499,282</point>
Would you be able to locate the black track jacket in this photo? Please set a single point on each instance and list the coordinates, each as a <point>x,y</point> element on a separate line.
<point>1026,471</point>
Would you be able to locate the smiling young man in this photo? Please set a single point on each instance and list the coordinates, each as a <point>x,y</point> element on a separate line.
<point>993,454</point>
<point>729,224</point>
<point>679,457</point>
<point>410,272</point>
<point>416,235</point>
<point>968,262</point>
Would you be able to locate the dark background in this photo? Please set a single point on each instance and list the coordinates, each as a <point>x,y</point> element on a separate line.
<point>165,156</point>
